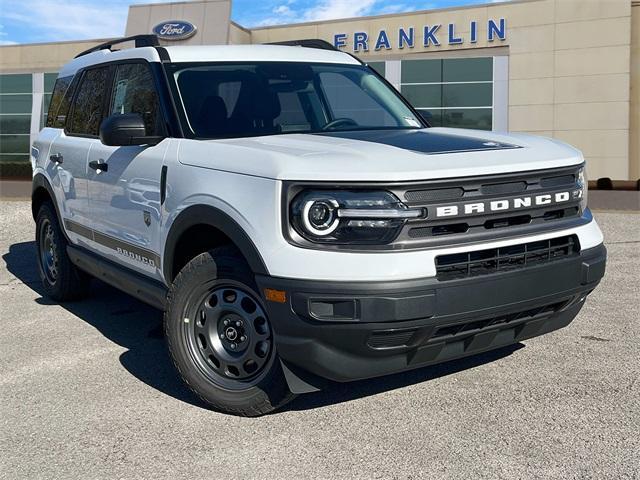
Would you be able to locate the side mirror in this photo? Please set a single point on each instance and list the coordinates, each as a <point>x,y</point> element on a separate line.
<point>125,130</point>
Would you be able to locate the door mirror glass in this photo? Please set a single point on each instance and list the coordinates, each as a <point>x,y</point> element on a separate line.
<point>124,130</point>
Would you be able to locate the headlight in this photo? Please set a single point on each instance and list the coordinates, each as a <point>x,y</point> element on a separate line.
<point>583,183</point>
<point>349,216</point>
<point>320,217</point>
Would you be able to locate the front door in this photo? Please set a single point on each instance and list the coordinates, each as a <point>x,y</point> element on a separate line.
<point>124,182</point>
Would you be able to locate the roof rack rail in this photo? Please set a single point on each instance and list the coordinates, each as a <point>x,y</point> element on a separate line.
<point>308,43</point>
<point>146,40</point>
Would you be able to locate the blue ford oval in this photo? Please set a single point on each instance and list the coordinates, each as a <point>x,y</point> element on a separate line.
<point>174,30</point>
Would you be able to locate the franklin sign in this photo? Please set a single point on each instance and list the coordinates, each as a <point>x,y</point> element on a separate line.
<point>426,36</point>
<point>174,30</point>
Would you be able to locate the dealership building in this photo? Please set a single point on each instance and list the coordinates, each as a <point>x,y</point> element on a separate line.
<point>567,69</point>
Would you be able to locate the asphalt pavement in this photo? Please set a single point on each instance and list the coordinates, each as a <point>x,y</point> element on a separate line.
<point>87,391</point>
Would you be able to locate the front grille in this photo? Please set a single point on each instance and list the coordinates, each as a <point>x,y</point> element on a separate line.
<point>513,257</point>
<point>390,338</point>
<point>502,321</point>
<point>462,330</point>
<point>462,210</point>
<point>503,188</point>
<point>538,218</point>
<point>434,195</point>
<point>558,181</point>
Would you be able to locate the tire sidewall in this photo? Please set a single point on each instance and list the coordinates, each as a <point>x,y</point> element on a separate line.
<point>199,276</point>
<point>46,214</point>
<point>70,283</point>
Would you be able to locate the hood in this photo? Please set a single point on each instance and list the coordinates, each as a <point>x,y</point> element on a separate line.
<point>384,156</point>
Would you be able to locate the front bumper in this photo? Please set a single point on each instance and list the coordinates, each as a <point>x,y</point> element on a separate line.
<point>347,331</point>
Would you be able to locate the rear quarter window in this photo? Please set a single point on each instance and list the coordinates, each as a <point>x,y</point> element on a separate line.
<point>57,99</point>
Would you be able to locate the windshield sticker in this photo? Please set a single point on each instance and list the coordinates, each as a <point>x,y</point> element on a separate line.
<point>412,122</point>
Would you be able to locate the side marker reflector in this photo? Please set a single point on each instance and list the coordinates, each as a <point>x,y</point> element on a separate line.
<point>278,296</point>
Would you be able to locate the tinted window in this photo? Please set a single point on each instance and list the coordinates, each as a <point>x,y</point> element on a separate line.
<point>86,114</point>
<point>292,114</point>
<point>60,118</point>
<point>229,92</point>
<point>272,97</point>
<point>49,84</point>
<point>59,90</point>
<point>347,99</point>
<point>134,92</point>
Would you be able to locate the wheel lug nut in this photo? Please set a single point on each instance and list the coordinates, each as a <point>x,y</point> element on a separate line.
<point>238,324</point>
<point>243,338</point>
<point>226,322</point>
<point>222,336</point>
<point>233,346</point>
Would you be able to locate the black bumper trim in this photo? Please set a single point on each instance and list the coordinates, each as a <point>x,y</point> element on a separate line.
<point>483,313</point>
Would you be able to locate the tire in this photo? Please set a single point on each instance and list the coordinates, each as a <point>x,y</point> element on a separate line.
<point>219,336</point>
<point>61,279</point>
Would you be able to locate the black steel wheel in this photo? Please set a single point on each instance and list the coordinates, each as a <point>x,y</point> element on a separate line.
<point>61,279</point>
<point>48,248</point>
<point>229,336</point>
<point>220,337</point>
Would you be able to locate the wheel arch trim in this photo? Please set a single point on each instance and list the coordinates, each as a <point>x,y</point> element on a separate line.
<point>216,218</point>
<point>41,181</point>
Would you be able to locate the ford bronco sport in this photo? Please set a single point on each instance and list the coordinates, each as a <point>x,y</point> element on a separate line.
<point>297,220</point>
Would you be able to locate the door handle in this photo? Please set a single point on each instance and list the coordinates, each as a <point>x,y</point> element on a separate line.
<point>99,166</point>
<point>56,158</point>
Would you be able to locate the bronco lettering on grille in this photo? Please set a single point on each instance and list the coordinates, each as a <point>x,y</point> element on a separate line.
<point>507,204</point>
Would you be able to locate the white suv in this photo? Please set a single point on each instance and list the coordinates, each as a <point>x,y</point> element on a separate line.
<point>298,221</point>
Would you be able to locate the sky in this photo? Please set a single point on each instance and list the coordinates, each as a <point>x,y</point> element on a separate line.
<point>31,21</point>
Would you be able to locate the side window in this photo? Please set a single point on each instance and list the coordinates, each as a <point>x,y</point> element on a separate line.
<point>135,92</point>
<point>86,113</point>
<point>59,91</point>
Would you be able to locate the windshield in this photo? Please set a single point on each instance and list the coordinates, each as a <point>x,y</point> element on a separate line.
<point>241,100</point>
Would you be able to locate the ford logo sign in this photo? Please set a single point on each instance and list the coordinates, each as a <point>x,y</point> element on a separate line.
<point>174,30</point>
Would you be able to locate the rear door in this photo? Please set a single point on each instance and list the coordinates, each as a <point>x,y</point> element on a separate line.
<point>69,151</point>
<point>125,193</point>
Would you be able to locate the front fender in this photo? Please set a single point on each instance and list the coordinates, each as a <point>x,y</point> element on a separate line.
<point>39,182</point>
<point>214,217</point>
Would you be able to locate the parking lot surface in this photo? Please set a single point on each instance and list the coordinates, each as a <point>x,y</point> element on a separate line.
<point>87,391</point>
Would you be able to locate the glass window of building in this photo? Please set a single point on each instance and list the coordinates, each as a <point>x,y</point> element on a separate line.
<point>454,92</point>
<point>15,122</point>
